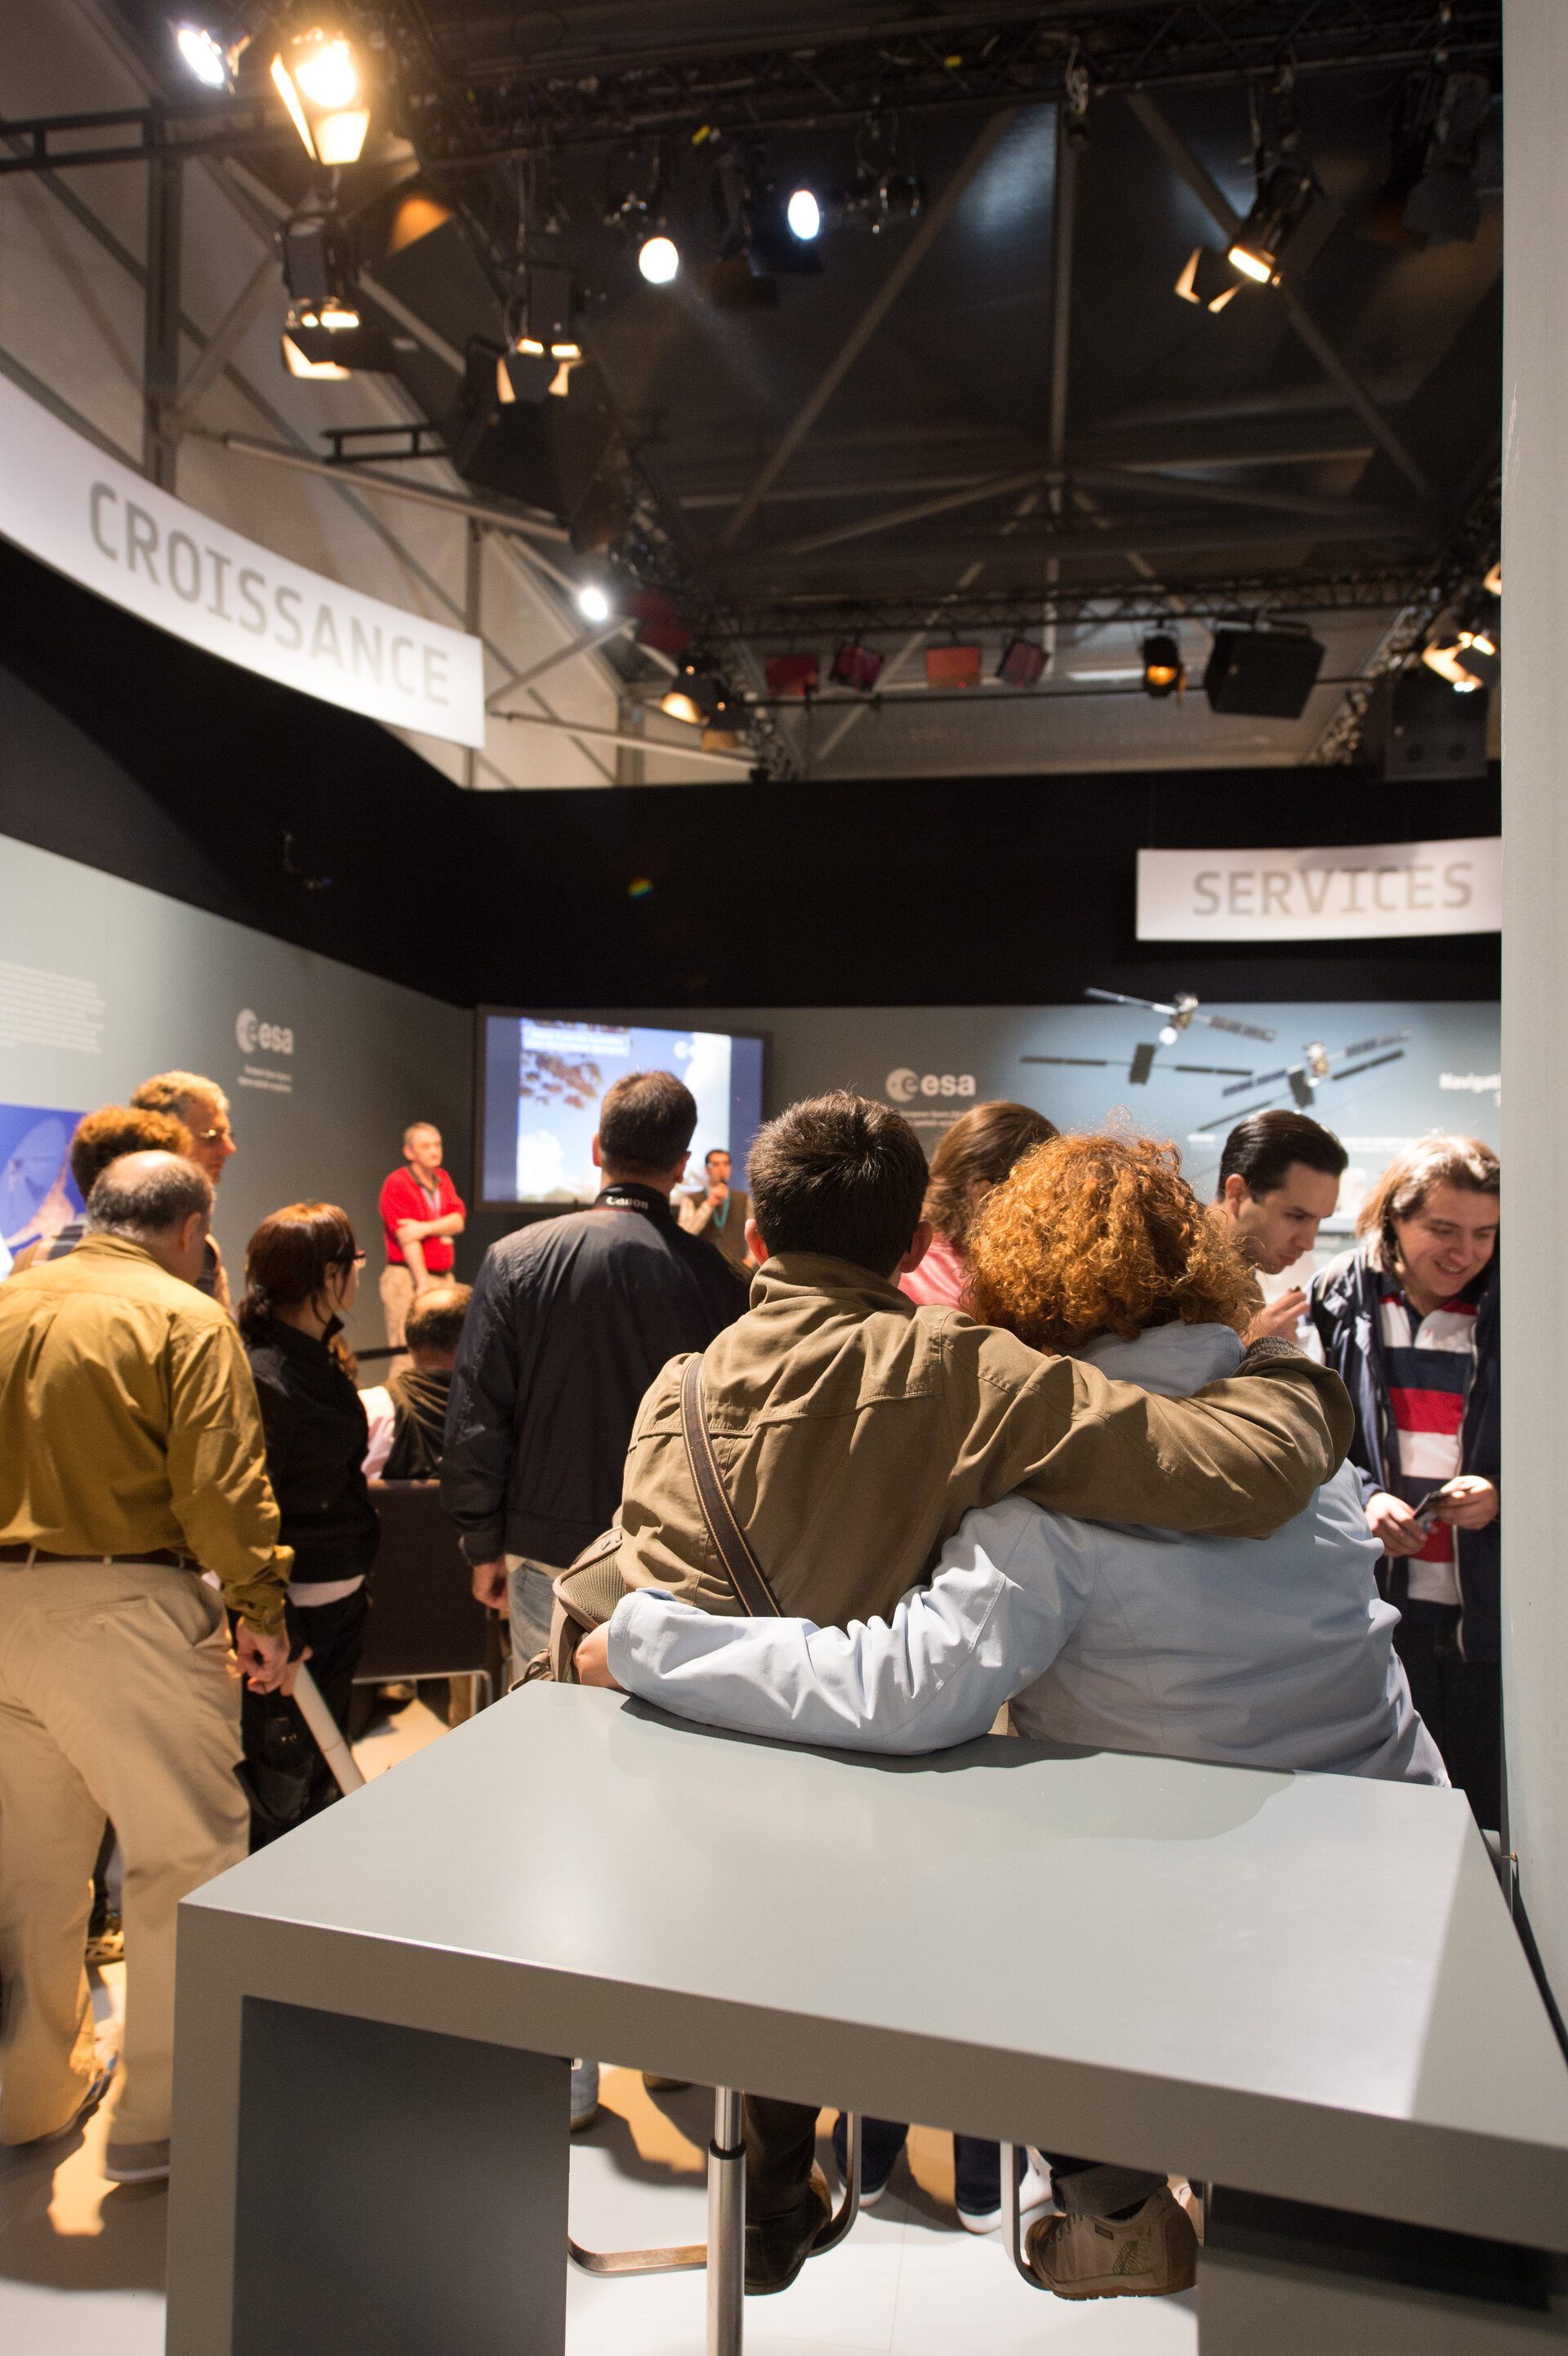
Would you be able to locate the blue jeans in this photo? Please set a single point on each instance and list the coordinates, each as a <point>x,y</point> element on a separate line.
<point>977,2164</point>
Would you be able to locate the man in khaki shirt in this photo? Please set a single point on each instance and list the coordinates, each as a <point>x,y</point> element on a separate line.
<point>133,1503</point>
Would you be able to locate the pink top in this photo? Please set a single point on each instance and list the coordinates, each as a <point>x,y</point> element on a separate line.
<point>942,1280</point>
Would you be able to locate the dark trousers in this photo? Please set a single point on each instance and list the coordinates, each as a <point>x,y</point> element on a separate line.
<point>977,2164</point>
<point>286,1774</point>
<point>781,2142</point>
<point>1461,1702</point>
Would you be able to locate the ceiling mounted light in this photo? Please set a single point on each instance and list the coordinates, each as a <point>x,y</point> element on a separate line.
<point>592,602</point>
<point>804,215</point>
<point>952,667</point>
<point>857,665</point>
<point>298,363</point>
<point>1493,583</point>
<point>320,80</point>
<point>693,695</point>
<point>1023,663</point>
<point>206,56</point>
<point>792,674</point>
<point>659,259</point>
<point>1165,673</point>
<point>1286,230</point>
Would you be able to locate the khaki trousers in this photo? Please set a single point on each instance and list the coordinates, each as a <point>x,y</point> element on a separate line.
<point>397,1300</point>
<point>117,1699</point>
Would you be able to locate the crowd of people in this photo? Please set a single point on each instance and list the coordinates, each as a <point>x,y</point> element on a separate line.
<point>1015,1432</point>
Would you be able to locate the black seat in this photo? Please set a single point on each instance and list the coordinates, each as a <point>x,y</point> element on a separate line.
<point>425,1622</point>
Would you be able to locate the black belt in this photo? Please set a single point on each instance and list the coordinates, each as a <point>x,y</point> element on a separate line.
<point>153,1554</point>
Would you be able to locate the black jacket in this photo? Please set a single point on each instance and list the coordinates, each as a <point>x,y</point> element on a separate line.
<point>571,1320</point>
<point>1345,1311</point>
<point>317,1437</point>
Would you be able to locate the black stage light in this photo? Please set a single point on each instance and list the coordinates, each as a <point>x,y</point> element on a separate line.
<point>1417,726</point>
<point>328,341</point>
<point>1165,673</point>
<point>857,665</point>
<point>317,262</point>
<point>1285,231</point>
<point>1262,674</point>
<point>1443,207</point>
<point>545,453</point>
<point>1023,663</point>
<point>693,695</point>
<point>546,350</point>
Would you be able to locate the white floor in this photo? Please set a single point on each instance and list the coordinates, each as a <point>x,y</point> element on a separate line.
<point>82,2261</point>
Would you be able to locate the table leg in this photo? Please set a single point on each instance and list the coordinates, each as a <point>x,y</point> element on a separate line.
<point>396,2188</point>
<point>726,2226</point>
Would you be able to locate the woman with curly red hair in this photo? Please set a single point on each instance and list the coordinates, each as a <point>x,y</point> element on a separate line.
<point>1272,1653</point>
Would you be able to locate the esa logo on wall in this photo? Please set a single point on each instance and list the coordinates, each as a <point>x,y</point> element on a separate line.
<point>275,1038</point>
<point>904,1085</point>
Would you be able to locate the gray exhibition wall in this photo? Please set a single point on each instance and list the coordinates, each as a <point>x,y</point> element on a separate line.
<point>1075,1064</point>
<point>102,983</point>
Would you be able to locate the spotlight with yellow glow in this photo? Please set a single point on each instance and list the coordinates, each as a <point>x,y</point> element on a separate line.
<point>321,79</point>
<point>1165,673</point>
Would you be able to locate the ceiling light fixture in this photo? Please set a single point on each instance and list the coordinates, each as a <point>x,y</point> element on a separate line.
<point>1165,673</point>
<point>592,604</point>
<point>804,215</point>
<point>857,665</point>
<point>659,259</point>
<point>1286,230</point>
<point>1023,663</point>
<point>206,56</point>
<point>322,83</point>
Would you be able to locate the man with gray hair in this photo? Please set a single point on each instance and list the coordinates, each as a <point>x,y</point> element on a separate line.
<point>202,1105</point>
<point>133,1505</point>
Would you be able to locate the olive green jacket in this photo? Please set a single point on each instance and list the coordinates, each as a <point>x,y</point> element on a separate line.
<point>853,1429</point>
<point>129,1424</point>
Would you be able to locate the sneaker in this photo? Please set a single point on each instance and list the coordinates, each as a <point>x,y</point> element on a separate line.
<point>103,2068</point>
<point>136,2163</point>
<point>584,2094</point>
<point>107,1944</point>
<point>1034,2192</point>
<point>778,2247</point>
<point>1146,2255</point>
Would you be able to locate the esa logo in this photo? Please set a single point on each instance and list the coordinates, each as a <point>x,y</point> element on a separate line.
<point>252,1033</point>
<point>904,1084</point>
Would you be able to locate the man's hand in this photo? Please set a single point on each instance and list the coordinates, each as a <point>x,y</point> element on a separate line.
<point>717,1193</point>
<point>263,1660</point>
<point>489,1583</point>
<point>1393,1525</point>
<point>1469,1502</point>
<point>1279,1320</point>
<point>592,1659</point>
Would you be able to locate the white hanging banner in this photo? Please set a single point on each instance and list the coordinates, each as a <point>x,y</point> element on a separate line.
<point>1367,891</point>
<point>104,525</point>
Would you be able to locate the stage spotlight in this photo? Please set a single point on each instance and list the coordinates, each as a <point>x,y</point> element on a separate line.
<point>659,260</point>
<point>592,604</point>
<point>792,674</point>
<point>1023,663</point>
<point>952,667</point>
<point>1493,583</point>
<point>1165,673</point>
<point>206,56</point>
<point>803,214</point>
<point>1287,229</point>
<point>322,83</point>
<point>692,695</point>
<point>1262,674</point>
<point>1446,657</point>
<point>855,666</point>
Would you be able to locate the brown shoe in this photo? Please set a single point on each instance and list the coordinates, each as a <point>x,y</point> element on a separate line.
<point>778,2247</point>
<point>1146,2255</point>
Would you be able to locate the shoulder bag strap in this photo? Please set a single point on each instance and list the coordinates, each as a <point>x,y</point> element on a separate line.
<point>755,1596</point>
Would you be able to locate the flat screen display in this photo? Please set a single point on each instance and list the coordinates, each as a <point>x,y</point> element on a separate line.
<point>542,1080</point>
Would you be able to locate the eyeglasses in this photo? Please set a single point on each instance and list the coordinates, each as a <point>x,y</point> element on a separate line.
<point>211,1136</point>
<point>359,1258</point>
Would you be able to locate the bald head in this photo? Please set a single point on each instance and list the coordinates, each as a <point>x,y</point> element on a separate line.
<point>159,1201</point>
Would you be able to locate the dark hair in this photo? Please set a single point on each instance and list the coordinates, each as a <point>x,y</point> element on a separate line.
<point>979,1149</point>
<point>1261,1149</point>
<point>841,1175</point>
<point>1441,1160</point>
<point>436,1320</point>
<point>152,1204</point>
<point>289,1260</point>
<point>714,1150</point>
<point>100,1138</point>
<point>646,1122</point>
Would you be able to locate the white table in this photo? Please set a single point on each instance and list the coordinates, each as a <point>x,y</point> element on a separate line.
<point>1304,1987</point>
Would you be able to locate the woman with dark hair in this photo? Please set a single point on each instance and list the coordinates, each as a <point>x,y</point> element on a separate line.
<point>302,1271</point>
<point>975,1155</point>
<point>1408,1320</point>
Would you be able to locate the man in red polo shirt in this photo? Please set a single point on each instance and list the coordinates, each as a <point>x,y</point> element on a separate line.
<point>420,1213</point>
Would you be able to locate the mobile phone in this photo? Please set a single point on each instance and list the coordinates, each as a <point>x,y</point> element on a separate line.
<point>1423,1512</point>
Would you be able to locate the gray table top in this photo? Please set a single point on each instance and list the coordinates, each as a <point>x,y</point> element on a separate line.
<point>1307,1985</point>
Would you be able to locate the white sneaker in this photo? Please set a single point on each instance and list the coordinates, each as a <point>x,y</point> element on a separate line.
<point>1034,2192</point>
<point>1146,2255</point>
<point>584,2094</point>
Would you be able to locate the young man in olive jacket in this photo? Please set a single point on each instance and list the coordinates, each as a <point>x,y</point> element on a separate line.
<point>852,1430</point>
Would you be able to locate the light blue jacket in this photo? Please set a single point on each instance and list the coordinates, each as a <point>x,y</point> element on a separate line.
<point>1276,1653</point>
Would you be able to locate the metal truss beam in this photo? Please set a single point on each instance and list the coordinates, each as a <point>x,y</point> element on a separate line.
<point>1232,597</point>
<point>229,126</point>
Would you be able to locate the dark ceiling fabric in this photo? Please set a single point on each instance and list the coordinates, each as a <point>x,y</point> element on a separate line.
<point>177,771</point>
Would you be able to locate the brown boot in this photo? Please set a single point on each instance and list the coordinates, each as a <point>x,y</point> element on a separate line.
<point>1145,2256</point>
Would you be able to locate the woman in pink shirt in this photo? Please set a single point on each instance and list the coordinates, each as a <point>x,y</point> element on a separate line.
<point>975,1155</point>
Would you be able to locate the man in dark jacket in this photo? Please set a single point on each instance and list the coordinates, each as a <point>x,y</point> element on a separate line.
<point>1410,1321</point>
<point>571,1320</point>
